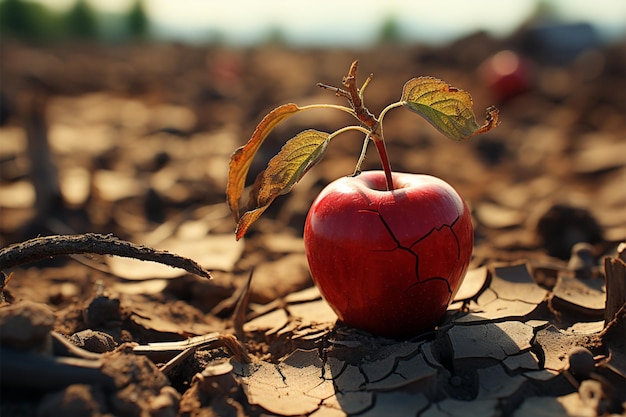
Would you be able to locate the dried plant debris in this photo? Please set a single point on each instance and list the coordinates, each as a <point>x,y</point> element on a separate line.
<point>91,243</point>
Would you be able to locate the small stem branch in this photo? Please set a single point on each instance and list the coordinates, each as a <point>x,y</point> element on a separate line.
<point>329,106</point>
<point>365,84</point>
<point>348,128</point>
<point>368,136</point>
<point>363,114</point>
<point>338,91</point>
<point>371,125</point>
<point>357,169</point>
<point>386,109</point>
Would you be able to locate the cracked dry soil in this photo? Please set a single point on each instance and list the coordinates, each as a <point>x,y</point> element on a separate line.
<point>135,141</point>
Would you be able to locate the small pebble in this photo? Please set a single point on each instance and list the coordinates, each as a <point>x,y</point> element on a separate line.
<point>26,324</point>
<point>581,362</point>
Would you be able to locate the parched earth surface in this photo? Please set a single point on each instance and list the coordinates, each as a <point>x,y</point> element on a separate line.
<point>133,142</point>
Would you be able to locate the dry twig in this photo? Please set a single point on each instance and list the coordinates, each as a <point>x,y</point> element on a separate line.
<point>91,243</point>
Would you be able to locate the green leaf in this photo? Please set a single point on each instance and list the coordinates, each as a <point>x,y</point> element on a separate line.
<point>447,108</point>
<point>241,159</point>
<point>283,171</point>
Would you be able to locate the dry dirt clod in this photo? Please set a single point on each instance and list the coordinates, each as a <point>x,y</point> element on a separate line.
<point>93,341</point>
<point>75,400</point>
<point>26,325</point>
<point>137,379</point>
<point>103,311</point>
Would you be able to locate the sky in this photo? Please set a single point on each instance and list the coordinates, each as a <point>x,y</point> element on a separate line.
<point>354,22</point>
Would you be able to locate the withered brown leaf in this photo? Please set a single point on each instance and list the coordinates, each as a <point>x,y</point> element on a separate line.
<point>284,170</point>
<point>241,159</point>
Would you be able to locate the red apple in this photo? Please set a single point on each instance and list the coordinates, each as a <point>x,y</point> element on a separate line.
<point>506,74</point>
<point>389,262</point>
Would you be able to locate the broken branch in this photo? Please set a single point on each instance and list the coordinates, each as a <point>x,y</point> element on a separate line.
<point>91,243</point>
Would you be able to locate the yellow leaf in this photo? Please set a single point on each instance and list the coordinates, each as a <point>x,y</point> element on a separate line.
<point>447,108</point>
<point>283,171</point>
<point>241,159</point>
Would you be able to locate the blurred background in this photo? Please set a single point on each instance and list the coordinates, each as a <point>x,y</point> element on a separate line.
<point>119,115</point>
<point>323,23</point>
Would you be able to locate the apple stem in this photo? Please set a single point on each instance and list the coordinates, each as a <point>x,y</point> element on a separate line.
<point>384,160</point>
